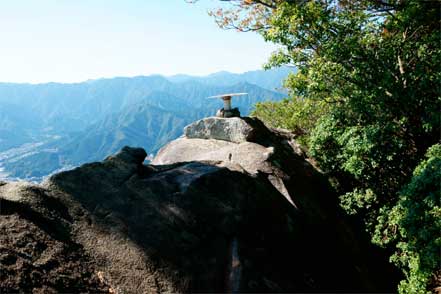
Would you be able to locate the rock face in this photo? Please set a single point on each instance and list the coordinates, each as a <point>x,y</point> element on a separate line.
<point>228,113</point>
<point>245,143</point>
<point>212,219</point>
<point>274,155</point>
<point>249,156</point>
<point>232,129</point>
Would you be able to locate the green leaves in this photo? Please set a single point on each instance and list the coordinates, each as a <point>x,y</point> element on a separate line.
<point>296,114</point>
<point>417,214</point>
<point>366,102</point>
<point>378,77</point>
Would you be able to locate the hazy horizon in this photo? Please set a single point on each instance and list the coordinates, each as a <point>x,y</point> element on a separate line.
<point>135,76</point>
<point>68,42</point>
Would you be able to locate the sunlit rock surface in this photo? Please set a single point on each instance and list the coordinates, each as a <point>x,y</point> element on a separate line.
<point>260,220</point>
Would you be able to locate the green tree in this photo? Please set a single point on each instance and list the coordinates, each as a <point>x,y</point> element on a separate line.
<point>296,114</point>
<point>414,225</point>
<point>366,95</point>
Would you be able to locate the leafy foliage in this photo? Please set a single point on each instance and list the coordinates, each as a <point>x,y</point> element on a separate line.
<point>367,94</point>
<point>414,224</point>
<point>296,114</point>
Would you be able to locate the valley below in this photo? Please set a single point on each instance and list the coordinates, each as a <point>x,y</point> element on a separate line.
<point>48,128</point>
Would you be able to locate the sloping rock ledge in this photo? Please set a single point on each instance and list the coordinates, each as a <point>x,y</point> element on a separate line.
<point>247,215</point>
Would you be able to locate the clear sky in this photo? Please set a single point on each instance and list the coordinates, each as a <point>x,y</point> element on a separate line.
<point>76,40</point>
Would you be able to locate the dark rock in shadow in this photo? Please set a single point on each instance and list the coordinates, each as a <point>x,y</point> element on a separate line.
<point>195,226</point>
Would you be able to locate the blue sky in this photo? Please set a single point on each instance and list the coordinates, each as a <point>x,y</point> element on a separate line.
<point>76,40</point>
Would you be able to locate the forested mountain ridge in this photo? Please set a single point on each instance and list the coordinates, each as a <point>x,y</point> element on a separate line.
<point>47,127</point>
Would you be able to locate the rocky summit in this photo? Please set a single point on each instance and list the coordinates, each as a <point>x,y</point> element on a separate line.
<point>231,206</point>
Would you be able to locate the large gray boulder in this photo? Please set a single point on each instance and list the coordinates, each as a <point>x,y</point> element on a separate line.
<point>120,226</point>
<point>243,143</point>
<point>276,156</point>
<point>232,129</point>
<point>250,156</point>
<point>123,227</point>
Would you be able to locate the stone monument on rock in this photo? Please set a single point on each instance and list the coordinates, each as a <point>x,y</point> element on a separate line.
<point>227,110</point>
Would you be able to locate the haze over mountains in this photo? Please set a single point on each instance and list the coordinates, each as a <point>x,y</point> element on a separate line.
<point>53,126</point>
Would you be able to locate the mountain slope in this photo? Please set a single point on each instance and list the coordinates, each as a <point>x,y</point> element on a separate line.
<point>47,127</point>
<point>149,123</point>
<point>74,106</point>
<point>64,108</point>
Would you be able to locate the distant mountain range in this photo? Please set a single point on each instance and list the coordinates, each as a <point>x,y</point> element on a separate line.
<point>270,80</point>
<point>53,126</point>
